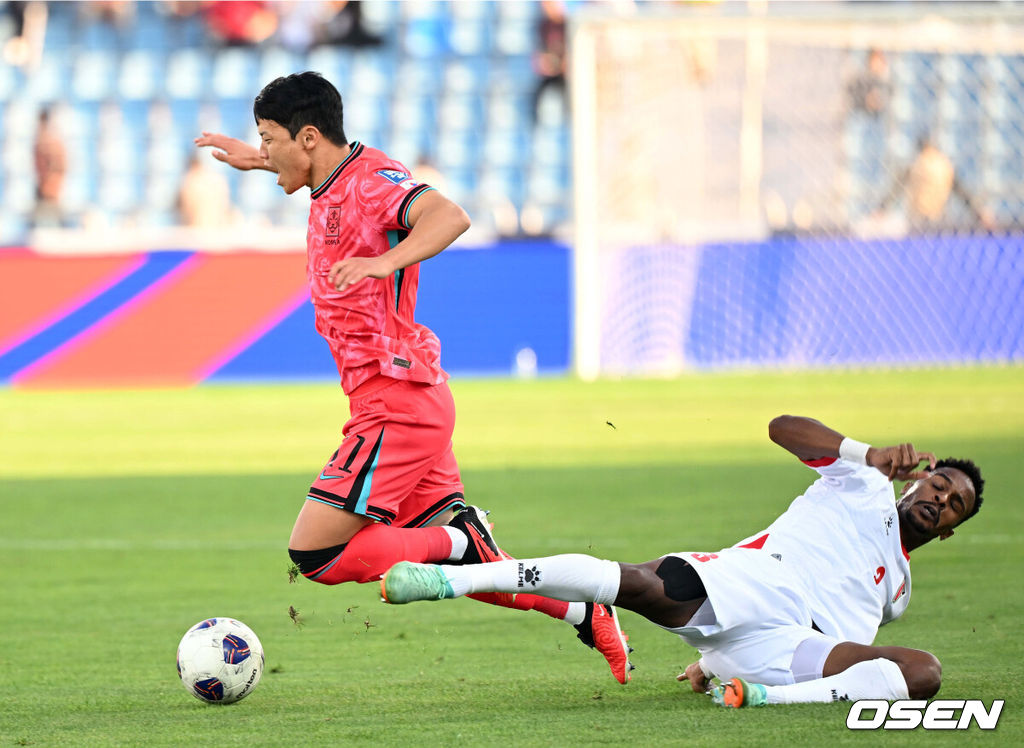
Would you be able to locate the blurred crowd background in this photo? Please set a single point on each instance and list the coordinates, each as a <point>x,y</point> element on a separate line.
<point>100,101</point>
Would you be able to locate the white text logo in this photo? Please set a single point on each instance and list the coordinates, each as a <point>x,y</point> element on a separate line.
<point>908,714</point>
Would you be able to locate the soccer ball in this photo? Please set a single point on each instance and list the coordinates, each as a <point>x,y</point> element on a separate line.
<point>220,660</point>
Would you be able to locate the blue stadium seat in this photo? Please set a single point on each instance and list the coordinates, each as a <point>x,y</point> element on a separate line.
<point>332,62</point>
<point>140,71</point>
<point>275,62</point>
<point>470,37</point>
<point>461,113</point>
<point>93,75</point>
<point>504,148</point>
<point>236,118</point>
<point>49,82</point>
<point>425,31</point>
<point>188,74</point>
<point>149,31</point>
<point>60,22</point>
<point>234,73</point>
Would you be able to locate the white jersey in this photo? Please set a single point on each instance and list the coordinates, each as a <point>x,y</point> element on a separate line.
<point>842,540</point>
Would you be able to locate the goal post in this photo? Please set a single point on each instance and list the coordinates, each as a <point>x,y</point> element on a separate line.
<point>764,140</point>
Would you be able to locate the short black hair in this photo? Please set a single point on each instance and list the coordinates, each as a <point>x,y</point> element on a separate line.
<point>301,99</point>
<point>968,468</point>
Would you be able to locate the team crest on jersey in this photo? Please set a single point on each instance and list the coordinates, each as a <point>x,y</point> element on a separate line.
<point>334,220</point>
<point>900,591</point>
<point>397,177</point>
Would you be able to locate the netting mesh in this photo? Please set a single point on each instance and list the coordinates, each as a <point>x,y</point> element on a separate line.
<point>767,191</point>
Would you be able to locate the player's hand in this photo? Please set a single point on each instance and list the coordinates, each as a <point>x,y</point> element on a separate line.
<point>353,269</point>
<point>231,151</point>
<point>901,462</point>
<point>698,681</point>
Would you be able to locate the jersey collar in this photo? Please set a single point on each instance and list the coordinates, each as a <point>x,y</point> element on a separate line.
<point>357,148</point>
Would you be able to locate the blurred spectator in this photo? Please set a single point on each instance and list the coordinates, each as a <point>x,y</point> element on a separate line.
<point>926,186</point>
<point>425,172</point>
<point>240,23</point>
<point>346,26</point>
<point>25,47</point>
<point>50,157</point>
<point>549,59</point>
<point>204,199</point>
<point>870,90</point>
<point>117,13</point>
<point>299,23</point>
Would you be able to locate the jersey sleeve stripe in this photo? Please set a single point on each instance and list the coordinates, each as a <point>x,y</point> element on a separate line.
<point>403,209</point>
<point>822,462</point>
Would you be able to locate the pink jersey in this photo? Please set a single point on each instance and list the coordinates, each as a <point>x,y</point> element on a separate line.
<point>362,210</point>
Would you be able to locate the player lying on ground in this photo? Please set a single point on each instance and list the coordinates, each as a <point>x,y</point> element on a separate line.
<point>789,614</point>
<point>392,490</point>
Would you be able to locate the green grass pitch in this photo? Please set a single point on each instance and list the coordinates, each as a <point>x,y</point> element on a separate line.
<point>129,516</point>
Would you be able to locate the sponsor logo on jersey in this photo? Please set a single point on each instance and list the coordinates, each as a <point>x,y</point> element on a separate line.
<point>879,574</point>
<point>909,714</point>
<point>400,178</point>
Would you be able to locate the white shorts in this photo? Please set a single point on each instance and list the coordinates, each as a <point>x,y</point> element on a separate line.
<point>755,619</point>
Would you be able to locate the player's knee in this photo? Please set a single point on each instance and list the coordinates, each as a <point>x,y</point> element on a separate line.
<point>923,673</point>
<point>680,582</point>
<point>313,564</point>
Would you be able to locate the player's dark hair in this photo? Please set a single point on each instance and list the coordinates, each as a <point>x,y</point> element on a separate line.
<point>968,468</point>
<point>301,99</point>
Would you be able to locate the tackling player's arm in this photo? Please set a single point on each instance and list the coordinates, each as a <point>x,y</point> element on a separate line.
<point>809,439</point>
<point>436,222</point>
<point>233,151</point>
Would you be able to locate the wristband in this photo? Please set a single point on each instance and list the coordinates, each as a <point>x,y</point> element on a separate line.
<point>854,451</point>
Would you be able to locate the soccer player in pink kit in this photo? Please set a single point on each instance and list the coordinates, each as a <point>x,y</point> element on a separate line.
<point>789,614</point>
<point>392,490</point>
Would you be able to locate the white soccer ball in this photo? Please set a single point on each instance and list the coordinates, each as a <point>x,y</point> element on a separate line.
<point>220,660</point>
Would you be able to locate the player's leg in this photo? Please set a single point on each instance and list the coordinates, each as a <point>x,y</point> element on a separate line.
<point>597,626</point>
<point>656,590</point>
<point>343,532</point>
<point>844,671</point>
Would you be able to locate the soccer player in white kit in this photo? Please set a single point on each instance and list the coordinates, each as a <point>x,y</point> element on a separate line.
<point>789,614</point>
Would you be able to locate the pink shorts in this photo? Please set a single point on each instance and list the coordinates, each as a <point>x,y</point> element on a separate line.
<point>396,463</point>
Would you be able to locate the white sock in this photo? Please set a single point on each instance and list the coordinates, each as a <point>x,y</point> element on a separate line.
<point>576,613</point>
<point>459,542</point>
<point>570,576</point>
<point>873,679</point>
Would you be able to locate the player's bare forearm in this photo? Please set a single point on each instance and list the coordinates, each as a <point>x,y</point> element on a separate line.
<point>232,151</point>
<point>805,437</point>
<point>436,222</point>
<point>809,439</point>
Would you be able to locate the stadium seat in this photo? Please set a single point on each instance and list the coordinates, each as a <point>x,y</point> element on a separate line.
<point>188,74</point>
<point>93,75</point>
<point>234,73</point>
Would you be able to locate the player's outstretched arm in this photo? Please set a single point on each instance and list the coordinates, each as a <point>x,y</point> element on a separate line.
<point>805,437</point>
<point>436,222</point>
<point>232,151</point>
<point>809,439</point>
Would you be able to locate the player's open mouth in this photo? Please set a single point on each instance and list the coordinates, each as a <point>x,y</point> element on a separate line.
<point>930,512</point>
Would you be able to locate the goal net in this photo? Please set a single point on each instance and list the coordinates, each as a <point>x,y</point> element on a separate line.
<point>778,191</point>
